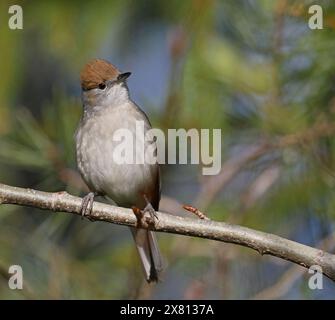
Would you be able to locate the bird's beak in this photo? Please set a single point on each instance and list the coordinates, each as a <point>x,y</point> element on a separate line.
<point>123,76</point>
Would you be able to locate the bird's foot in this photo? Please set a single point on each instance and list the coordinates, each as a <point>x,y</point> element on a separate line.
<point>142,218</point>
<point>87,205</point>
<point>150,209</point>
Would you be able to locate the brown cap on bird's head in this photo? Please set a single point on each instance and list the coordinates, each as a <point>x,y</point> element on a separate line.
<point>96,72</point>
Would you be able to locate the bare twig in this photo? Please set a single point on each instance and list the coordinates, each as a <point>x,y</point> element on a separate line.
<point>195,211</point>
<point>262,242</point>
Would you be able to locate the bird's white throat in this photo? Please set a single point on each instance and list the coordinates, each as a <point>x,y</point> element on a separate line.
<point>114,95</point>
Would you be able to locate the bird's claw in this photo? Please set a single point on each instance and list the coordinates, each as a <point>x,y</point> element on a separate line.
<point>87,205</point>
<point>140,214</point>
<point>149,208</point>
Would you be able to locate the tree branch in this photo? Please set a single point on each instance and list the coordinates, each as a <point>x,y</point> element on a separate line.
<point>290,276</point>
<point>262,242</point>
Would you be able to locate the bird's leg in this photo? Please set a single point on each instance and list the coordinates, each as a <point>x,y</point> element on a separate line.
<point>140,214</point>
<point>87,204</point>
<point>149,208</point>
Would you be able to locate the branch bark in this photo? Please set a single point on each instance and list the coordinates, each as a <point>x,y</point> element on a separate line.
<point>264,243</point>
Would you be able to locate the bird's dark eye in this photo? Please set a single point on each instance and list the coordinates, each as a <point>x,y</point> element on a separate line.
<point>102,86</point>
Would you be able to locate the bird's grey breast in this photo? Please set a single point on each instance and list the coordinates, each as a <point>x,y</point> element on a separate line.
<point>96,148</point>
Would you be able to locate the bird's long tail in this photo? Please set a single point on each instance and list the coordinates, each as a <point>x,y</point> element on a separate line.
<point>148,250</point>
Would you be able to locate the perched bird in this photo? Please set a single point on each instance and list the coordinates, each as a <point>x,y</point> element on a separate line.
<point>107,107</point>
